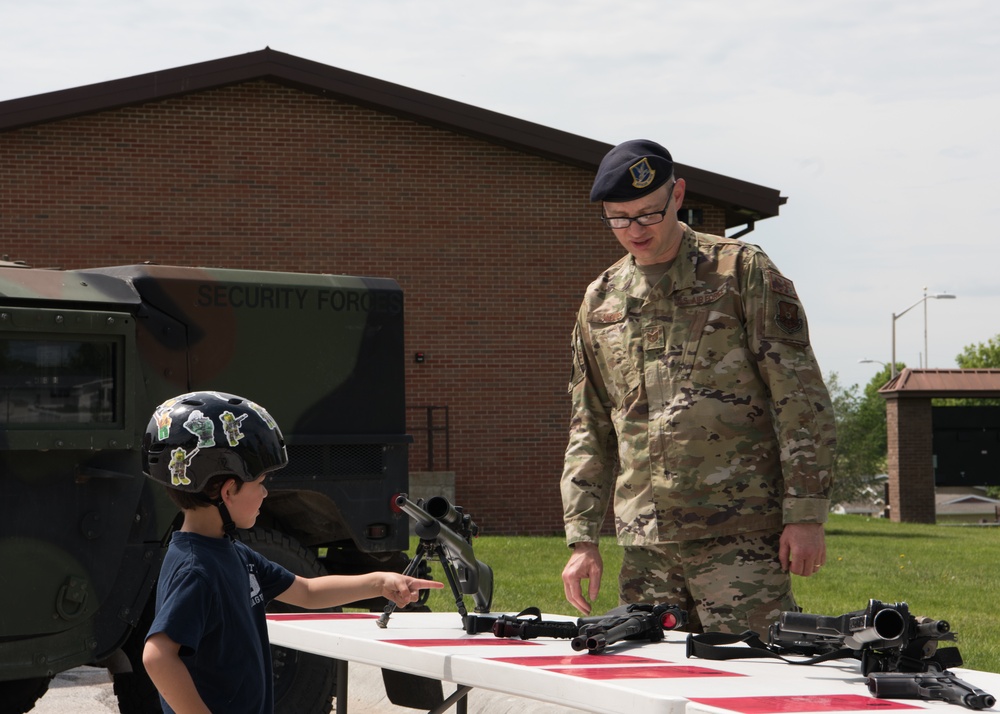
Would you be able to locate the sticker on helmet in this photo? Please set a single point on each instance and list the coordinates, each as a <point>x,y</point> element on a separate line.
<point>263,414</point>
<point>179,462</point>
<point>202,427</point>
<point>231,427</point>
<point>163,422</point>
<point>162,417</point>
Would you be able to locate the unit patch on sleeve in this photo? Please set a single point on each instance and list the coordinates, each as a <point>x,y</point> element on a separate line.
<point>784,318</point>
<point>788,317</point>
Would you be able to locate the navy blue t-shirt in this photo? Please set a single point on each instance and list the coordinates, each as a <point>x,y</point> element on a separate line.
<point>211,600</point>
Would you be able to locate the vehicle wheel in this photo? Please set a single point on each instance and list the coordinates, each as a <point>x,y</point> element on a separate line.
<point>135,690</point>
<point>303,683</point>
<point>19,696</point>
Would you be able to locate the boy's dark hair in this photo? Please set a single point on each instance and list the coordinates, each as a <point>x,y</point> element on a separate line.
<point>188,501</point>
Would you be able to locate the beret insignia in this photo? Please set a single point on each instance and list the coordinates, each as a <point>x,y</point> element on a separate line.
<point>642,173</point>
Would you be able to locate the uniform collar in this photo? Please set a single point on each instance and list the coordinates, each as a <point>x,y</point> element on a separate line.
<point>679,276</point>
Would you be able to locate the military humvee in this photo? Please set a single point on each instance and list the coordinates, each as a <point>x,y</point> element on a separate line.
<point>86,355</point>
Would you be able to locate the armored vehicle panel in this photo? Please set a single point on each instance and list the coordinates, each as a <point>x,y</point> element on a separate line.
<point>85,356</point>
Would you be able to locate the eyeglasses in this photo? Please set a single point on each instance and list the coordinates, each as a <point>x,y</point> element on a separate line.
<point>646,219</point>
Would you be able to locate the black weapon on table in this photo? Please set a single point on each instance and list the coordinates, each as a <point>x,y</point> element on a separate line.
<point>528,624</point>
<point>899,653</point>
<point>446,532</point>
<point>638,621</point>
<point>886,638</point>
<point>941,685</point>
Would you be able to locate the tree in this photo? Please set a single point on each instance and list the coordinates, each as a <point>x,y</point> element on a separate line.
<point>985,355</point>
<point>862,444</point>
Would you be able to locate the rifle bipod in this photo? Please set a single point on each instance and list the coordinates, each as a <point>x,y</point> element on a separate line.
<point>426,549</point>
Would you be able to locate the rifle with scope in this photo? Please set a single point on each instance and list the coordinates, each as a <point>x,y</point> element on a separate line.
<point>638,621</point>
<point>446,532</point>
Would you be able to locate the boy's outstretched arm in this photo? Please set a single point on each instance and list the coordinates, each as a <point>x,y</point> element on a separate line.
<point>162,661</point>
<point>335,590</point>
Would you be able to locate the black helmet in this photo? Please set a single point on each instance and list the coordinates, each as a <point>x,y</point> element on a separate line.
<point>195,436</point>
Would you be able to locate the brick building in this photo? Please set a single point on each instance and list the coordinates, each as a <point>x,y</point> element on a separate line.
<point>269,161</point>
<point>931,446</point>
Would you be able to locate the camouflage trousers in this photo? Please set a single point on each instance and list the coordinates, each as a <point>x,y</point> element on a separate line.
<point>728,584</point>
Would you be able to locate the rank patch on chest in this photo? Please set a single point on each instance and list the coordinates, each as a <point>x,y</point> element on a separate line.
<point>652,338</point>
<point>789,318</point>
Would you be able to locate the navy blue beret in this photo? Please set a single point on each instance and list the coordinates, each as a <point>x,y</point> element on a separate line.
<point>631,170</point>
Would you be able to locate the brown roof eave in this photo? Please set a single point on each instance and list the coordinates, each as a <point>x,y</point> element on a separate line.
<point>743,201</point>
<point>943,384</point>
<point>307,76</point>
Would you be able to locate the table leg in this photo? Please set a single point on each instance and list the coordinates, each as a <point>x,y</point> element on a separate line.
<point>341,686</point>
<point>458,697</point>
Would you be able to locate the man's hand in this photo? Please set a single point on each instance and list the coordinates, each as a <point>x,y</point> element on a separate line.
<point>802,549</point>
<point>584,564</point>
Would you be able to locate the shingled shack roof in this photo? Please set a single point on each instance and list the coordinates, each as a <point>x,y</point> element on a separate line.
<point>743,202</point>
<point>944,383</point>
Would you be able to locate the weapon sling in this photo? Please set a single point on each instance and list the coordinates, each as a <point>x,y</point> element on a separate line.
<point>718,646</point>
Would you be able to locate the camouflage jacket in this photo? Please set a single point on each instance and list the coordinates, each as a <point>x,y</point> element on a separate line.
<point>700,405</point>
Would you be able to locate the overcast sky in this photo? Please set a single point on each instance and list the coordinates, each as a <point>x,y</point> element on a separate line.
<point>879,120</point>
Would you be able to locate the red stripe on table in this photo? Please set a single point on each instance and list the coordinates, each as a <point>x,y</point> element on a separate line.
<point>592,660</point>
<point>662,671</point>
<point>293,616</point>
<point>805,703</point>
<point>470,642</point>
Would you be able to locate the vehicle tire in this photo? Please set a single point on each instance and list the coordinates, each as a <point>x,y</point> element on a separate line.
<point>303,683</point>
<point>19,696</point>
<point>135,690</point>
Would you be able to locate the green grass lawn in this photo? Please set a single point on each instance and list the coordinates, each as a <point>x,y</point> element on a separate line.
<point>944,572</point>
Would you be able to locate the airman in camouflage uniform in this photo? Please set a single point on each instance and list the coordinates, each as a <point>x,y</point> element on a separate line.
<point>699,408</point>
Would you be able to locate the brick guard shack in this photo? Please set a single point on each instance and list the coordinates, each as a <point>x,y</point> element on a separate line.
<point>939,446</point>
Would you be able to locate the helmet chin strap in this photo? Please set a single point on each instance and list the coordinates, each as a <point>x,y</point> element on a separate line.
<point>228,527</point>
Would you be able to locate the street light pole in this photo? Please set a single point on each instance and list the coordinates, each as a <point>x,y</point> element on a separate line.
<point>865,360</point>
<point>896,316</point>
<point>927,359</point>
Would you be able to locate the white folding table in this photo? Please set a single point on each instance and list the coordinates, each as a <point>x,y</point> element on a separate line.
<point>639,677</point>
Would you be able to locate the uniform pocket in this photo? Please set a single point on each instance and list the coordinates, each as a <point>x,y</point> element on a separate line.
<point>617,348</point>
<point>712,339</point>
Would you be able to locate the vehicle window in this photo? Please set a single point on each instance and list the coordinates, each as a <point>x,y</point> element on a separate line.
<point>57,382</point>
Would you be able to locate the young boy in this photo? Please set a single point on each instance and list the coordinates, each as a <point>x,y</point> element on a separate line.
<point>207,649</point>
